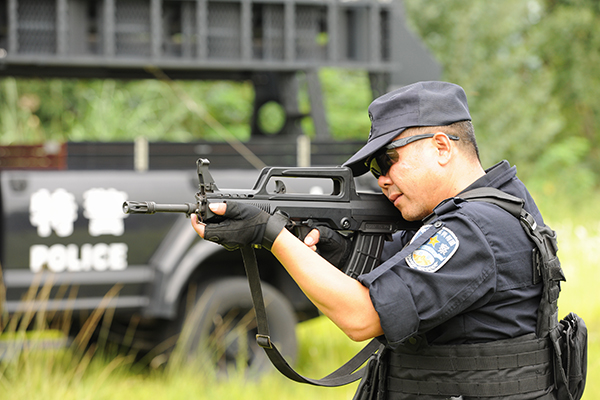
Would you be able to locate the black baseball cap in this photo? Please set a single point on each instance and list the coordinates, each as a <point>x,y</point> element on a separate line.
<point>429,103</point>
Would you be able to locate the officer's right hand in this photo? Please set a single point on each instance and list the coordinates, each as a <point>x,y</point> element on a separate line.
<point>312,239</point>
<point>329,244</point>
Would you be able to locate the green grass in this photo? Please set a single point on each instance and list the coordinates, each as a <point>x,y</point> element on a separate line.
<point>579,247</point>
<point>64,375</point>
<point>94,375</point>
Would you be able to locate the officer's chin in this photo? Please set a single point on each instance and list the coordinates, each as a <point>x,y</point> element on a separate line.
<point>411,217</point>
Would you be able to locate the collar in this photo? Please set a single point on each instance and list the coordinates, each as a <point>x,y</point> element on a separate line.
<point>495,176</point>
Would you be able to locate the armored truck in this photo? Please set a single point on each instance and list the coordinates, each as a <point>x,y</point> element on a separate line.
<point>68,251</point>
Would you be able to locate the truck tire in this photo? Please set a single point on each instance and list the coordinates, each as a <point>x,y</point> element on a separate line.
<point>221,329</point>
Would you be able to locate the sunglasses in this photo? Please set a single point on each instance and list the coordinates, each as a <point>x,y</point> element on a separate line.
<point>380,163</point>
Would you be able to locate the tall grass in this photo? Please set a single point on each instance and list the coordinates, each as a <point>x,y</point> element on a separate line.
<point>99,373</point>
<point>66,374</point>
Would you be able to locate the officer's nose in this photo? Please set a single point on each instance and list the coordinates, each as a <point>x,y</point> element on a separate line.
<point>384,181</point>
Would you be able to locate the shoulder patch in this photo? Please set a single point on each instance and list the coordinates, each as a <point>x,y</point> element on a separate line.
<point>432,255</point>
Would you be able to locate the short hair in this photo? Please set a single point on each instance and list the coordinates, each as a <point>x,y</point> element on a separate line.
<point>463,129</point>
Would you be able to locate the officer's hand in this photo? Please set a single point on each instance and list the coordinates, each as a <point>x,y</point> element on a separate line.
<point>243,225</point>
<point>312,239</point>
<point>330,244</point>
<point>199,227</point>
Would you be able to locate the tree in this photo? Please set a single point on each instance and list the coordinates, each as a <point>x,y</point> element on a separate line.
<point>527,67</point>
<point>568,43</point>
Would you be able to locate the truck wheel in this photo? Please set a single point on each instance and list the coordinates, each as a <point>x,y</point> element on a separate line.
<point>221,329</point>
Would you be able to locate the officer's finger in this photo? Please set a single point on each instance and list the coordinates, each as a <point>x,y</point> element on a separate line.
<point>197,225</point>
<point>312,239</point>
<point>218,208</point>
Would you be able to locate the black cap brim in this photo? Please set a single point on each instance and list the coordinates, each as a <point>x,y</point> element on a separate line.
<point>357,162</point>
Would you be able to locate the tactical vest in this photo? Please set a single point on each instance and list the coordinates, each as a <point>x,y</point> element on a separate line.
<point>518,369</point>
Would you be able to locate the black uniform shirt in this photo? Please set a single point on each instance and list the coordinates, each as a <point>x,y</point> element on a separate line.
<point>465,277</point>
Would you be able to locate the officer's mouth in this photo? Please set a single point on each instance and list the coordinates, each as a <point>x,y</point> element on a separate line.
<point>395,198</point>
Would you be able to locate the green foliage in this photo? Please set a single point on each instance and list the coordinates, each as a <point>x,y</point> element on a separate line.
<point>271,117</point>
<point>529,70</point>
<point>568,43</point>
<point>34,111</point>
<point>347,96</point>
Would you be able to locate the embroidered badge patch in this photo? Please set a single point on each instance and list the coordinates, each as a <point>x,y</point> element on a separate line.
<point>432,255</point>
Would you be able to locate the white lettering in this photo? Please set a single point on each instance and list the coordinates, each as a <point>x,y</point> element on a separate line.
<point>86,257</point>
<point>118,256</point>
<point>57,258</point>
<point>53,211</point>
<point>73,263</point>
<point>103,207</point>
<point>60,258</point>
<point>99,257</point>
<point>38,256</point>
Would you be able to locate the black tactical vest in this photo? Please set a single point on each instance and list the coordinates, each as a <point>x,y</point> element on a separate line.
<point>517,369</point>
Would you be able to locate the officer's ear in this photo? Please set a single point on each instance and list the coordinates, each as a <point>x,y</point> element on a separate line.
<point>444,147</point>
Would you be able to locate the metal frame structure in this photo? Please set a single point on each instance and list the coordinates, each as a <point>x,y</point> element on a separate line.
<point>266,41</point>
<point>194,38</point>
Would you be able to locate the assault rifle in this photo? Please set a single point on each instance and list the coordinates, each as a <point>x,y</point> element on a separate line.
<point>368,218</point>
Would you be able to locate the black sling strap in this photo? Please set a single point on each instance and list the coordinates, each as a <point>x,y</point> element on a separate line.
<point>547,264</point>
<point>344,375</point>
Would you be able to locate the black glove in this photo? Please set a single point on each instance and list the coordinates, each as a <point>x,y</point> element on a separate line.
<point>333,246</point>
<point>245,224</point>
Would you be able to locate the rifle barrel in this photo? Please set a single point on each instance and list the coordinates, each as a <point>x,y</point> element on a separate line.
<point>150,207</point>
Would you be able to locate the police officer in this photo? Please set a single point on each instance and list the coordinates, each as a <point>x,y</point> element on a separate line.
<point>456,302</point>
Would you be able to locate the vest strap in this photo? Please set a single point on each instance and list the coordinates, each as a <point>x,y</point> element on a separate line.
<point>497,362</point>
<point>545,261</point>
<point>475,389</point>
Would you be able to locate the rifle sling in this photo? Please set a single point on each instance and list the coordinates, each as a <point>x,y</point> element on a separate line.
<point>344,375</point>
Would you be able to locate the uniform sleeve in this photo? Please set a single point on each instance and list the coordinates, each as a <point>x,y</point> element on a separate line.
<point>447,267</point>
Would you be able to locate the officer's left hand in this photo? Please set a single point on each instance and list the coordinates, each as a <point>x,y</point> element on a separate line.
<point>243,225</point>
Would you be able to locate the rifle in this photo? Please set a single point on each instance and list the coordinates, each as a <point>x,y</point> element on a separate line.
<point>368,218</point>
